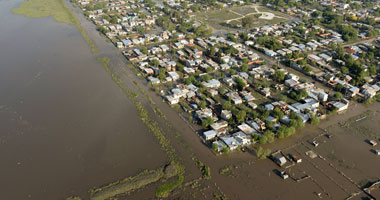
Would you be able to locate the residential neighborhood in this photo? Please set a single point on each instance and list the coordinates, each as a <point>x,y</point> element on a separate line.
<point>226,85</point>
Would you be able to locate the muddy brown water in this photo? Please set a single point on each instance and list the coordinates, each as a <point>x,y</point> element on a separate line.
<point>65,126</point>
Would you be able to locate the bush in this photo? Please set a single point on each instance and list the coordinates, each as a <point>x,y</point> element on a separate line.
<point>314,120</point>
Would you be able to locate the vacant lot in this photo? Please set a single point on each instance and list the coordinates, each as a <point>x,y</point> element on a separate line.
<point>230,18</point>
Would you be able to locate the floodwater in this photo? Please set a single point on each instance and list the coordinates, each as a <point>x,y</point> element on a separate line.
<point>65,126</point>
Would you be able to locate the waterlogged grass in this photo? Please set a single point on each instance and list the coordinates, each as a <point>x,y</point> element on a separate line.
<point>165,190</point>
<point>73,198</point>
<point>126,185</point>
<point>56,9</point>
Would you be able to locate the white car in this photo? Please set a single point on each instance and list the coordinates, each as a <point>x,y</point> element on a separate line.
<point>315,143</point>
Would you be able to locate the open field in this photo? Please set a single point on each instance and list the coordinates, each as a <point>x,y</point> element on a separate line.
<point>230,18</point>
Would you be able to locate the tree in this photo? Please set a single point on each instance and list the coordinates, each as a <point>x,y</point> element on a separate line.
<point>207,122</point>
<point>262,154</point>
<point>144,50</point>
<point>102,29</point>
<point>338,95</point>
<point>227,105</point>
<point>155,62</point>
<point>140,30</point>
<point>240,116</point>
<point>244,67</point>
<point>203,31</point>
<point>184,5</point>
<point>263,139</point>
<point>270,136</point>
<point>303,93</point>
<point>114,20</point>
<point>225,150</point>
<point>314,120</point>
<point>241,84</point>
<point>202,104</point>
<point>279,76</point>
<point>259,152</point>
<point>247,21</point>
<point>307,69</point>
<point>277,112</point>
<point>344,70</point>
<point>215,147</point>
<point>161,74</point>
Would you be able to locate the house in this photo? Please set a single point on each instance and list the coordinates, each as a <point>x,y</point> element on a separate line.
<point>291,82</point>
<point>172,100</point>
<point>295,158</point>
<point>219,144</point>
<point>314,58</point>
<point>231,142</point>
<point>340,105</point>
<point>372,142</point>
<point>213,83</point>
<point>265,92</point>
<point>153,80</point>
<point>246,129</point>
<point>226,114</point>
<point>203,113</point>
<point>325,57</point>
<point>235,98</point>
<point>353,91</point>
<point>270,53</point>
<point>280,160</point>
<point>242,138</point>
<point>219,127</point>
<point>247,96</point>
<point>252,105</point>
<point>209,135</point>
<point>173,75</point>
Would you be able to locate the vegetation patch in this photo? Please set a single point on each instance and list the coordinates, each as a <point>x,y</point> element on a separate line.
<point>165,190</point>
<point>56,9</point>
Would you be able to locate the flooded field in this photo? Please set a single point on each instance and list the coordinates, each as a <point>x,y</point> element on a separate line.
<point>65,126</point>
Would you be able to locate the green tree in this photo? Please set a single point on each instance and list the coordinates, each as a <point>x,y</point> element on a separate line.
<point>240,116</point>
<point>241,84</point>
<point>215,147</point>
<point>207,122</point>
<point>263,139</point>
<point>338,95</point>
<point>279,76</point>
<point>314,120</point>
<point>202,104</point>
<point>244,67</point>
<point>161,74</point>
<point>247,22</point>
<point>270,136</point>
<point>227,105</point>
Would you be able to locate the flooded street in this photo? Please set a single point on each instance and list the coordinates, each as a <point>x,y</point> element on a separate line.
<point>65,126</point>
